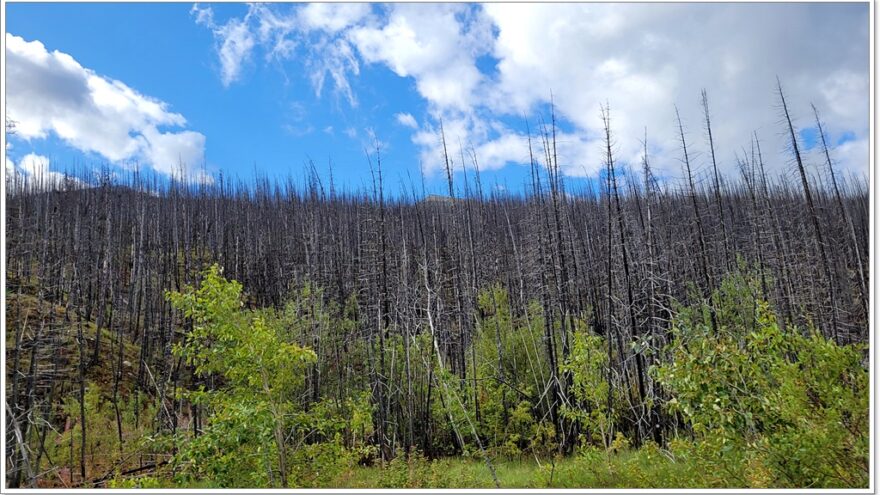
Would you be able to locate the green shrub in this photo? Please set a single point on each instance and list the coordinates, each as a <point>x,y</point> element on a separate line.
<point>243,443</point>
<point>588,365</point>
<point>760,399</point>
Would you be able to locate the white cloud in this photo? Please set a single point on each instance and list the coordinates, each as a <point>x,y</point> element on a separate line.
<point>641,60</point>
<point>34,169</point>
<point>460,134</point>
<point>844,93</point>
<point>436,44</point>
<point>234,41</point>
<point>9,169</point>
<point>849,157</point>
<point>406,120</point>
<point>496,146</point>
<point>495,153</point>
<point>279,34</point>
<point>272,30</point>
<point>234,50</point>
<point>337,62</point>
<point>370,141</point>
<point>333,17</point>
<point>204,16</point>
<point>35,165</point>
<point>477,67</point>
<point>177,154</point>
<point>51,93</point>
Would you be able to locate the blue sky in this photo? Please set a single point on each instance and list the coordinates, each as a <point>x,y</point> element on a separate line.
<point>235,88</point>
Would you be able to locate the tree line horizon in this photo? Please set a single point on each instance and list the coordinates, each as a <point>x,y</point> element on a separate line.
<point>462,163</point>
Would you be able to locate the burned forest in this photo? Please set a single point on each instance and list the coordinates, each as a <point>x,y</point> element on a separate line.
<point>709,330</point>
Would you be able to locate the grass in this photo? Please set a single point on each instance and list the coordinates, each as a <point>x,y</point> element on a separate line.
<point>648,467</point>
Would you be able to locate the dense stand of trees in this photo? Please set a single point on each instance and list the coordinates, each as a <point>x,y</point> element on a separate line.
<point>388,274</point>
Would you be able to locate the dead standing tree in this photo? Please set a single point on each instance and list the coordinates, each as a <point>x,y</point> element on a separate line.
<point>842,210</point>
<point>701,238</point>
<point>814,218</point>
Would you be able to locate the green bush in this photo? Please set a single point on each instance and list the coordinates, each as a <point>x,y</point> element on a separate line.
<point>243,443</point>
<point>759,399</point>
<point>588,365</point>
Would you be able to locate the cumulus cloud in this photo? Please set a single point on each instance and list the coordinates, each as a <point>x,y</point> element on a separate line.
<point>179,153</point>
<point>37,166</point>
<point>34,169</point>
<point>477,67</point>
<point>640,60</point>
<point>496,145</point>
<point>436,44</point>
<point>333,17</point>
<point>849,157</point>
<point>9,169</point>
<point>571,150</point>
<point>51,93</point>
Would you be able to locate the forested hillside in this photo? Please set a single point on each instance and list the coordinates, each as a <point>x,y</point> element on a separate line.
<point>705,332</point>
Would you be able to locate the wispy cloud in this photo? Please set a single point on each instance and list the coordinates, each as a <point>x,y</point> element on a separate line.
<point>278,35</point>
<point>407,120</point>
<point>235,42</point>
